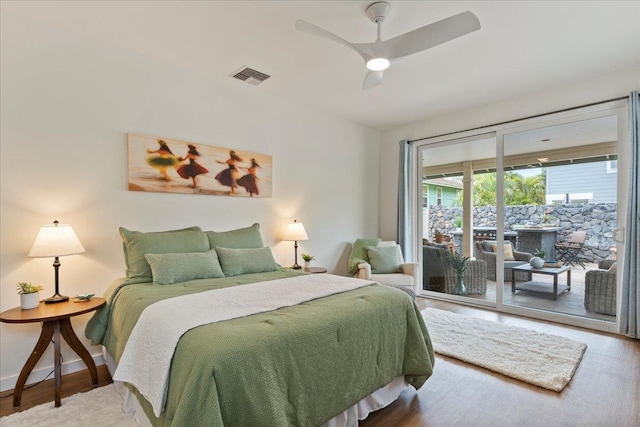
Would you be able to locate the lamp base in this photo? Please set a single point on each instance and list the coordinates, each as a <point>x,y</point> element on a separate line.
<point>56,299</point>
<point>296,266</point>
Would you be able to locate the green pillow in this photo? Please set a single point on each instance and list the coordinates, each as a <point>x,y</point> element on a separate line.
<point>383,259</point>
<point>248,237</point>
<point>137,244</point>
<point>168,269</point>
<point>244,261</point>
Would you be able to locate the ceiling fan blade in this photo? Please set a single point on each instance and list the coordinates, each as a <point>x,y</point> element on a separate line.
<point>312,29</point>
<point>373,79</point>
<point>428,36</point>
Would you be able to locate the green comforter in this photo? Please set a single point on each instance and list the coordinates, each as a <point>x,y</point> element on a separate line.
<point>296,366</point>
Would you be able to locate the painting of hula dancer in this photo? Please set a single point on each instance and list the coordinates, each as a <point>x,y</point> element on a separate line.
<point>172,166</point>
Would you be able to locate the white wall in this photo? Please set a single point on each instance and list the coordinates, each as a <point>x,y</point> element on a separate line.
<point>614,85</point>
<point>66,107</point>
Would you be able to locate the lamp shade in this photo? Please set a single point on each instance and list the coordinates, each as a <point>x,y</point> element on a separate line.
<point>295,231</point>
<point>56,240</point>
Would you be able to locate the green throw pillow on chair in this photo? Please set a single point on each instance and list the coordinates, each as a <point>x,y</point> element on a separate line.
<point>383,259</point>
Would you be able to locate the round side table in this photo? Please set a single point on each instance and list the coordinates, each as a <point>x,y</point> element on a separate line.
<point>56,322</point>
<point>315,270</point>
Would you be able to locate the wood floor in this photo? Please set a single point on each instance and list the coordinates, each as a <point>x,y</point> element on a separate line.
<point>76,382</point>
<point>605,390</point>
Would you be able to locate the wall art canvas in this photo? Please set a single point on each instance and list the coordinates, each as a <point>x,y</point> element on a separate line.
<point>173,166</point>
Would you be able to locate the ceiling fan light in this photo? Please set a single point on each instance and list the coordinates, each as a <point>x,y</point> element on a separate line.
<point>378,64</point>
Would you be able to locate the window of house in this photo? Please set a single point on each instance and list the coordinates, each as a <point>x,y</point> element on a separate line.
<point>439,196</point>
<point>612,166</point>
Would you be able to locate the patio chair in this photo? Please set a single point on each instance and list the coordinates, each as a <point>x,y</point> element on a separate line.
<point>438,274</point>
<point>485,251</point>
<point>600,288</point>
<point>569,251</point>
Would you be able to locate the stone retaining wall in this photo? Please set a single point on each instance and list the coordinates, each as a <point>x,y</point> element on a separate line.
<point>598,220</point>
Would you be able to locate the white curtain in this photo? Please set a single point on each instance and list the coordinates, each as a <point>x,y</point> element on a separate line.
<point>405,192</point>
<point>630,295</point>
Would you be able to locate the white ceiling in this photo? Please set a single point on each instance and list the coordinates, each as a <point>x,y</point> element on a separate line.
<point>523,46</point>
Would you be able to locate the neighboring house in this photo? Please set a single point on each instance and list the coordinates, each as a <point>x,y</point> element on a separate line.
<point>440,192</point>
<point>594,182</point>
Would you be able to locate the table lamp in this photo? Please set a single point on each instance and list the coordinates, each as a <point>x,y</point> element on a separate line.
<point>295,231</point>
<point>55,241</point>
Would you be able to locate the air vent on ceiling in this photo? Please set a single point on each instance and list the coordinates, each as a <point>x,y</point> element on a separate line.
<point>250,76</point>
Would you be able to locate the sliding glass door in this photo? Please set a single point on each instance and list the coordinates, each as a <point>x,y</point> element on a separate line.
<point>560,199</point>
<point>547,188</point>
<point>455,214</point>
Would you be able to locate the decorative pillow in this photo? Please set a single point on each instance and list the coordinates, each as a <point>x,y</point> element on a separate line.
<point>486,245</point>
<point>244,261</point>
<point>383,259</point>
<point>137,244</point>
<point>508,251</point>
<point>168,269</point>
<point>248,237</point>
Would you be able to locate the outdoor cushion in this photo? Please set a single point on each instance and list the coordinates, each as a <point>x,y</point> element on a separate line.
<point>508,251</point>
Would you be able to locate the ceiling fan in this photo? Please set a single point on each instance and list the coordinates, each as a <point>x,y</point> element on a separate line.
<point>380,54</point>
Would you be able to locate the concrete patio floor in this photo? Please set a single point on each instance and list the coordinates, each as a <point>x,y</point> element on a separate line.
<point>571,302</point>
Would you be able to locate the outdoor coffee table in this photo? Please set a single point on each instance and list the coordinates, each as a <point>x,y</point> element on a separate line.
<point>534,286</point>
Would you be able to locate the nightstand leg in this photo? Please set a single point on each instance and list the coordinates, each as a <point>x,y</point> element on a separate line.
<point>57,363</point>
<point>36,354</point>
<point>72,339</point>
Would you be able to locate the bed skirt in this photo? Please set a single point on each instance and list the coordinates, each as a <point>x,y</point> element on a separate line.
<point>379,399</point>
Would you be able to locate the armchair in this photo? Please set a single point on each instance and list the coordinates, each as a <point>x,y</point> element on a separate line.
<point>484,252</point>
<point>439,275</point>
<point>600,288</point>
<point>406,279</point>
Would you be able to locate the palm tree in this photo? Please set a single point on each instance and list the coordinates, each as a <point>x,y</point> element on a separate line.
<point>518,190</point>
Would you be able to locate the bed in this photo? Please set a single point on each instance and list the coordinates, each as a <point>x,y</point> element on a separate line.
<point>309,363</point>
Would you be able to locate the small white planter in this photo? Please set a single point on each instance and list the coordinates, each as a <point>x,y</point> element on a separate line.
<point>28,301</point>
<point>307,264</point>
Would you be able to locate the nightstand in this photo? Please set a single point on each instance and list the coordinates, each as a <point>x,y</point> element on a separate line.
<point>56,322</point>
<point>315,270</point>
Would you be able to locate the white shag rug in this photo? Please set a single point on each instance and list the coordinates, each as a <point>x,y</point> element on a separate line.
<point>545,360</point>
<point>101,407</point>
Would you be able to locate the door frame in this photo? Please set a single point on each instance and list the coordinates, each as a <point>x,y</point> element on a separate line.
<point>618,108</point>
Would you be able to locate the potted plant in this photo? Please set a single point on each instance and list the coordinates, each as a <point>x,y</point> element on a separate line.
<point>438,236</point>
<point>29,296</point>
<point>458,223</point>
<point>459,263</point>
<point>307,260</point>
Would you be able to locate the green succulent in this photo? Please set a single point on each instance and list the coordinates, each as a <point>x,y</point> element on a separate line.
<point>459,262</point>
<point>27,288</point>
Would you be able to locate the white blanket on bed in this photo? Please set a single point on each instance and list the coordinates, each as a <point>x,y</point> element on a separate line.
<point>147,356</point>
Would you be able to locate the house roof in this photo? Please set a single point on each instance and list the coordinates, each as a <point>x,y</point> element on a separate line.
<point>522,47</point>
<point>443,182</point>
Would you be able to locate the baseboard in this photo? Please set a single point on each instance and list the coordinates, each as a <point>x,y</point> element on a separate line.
<point>38,375</point>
